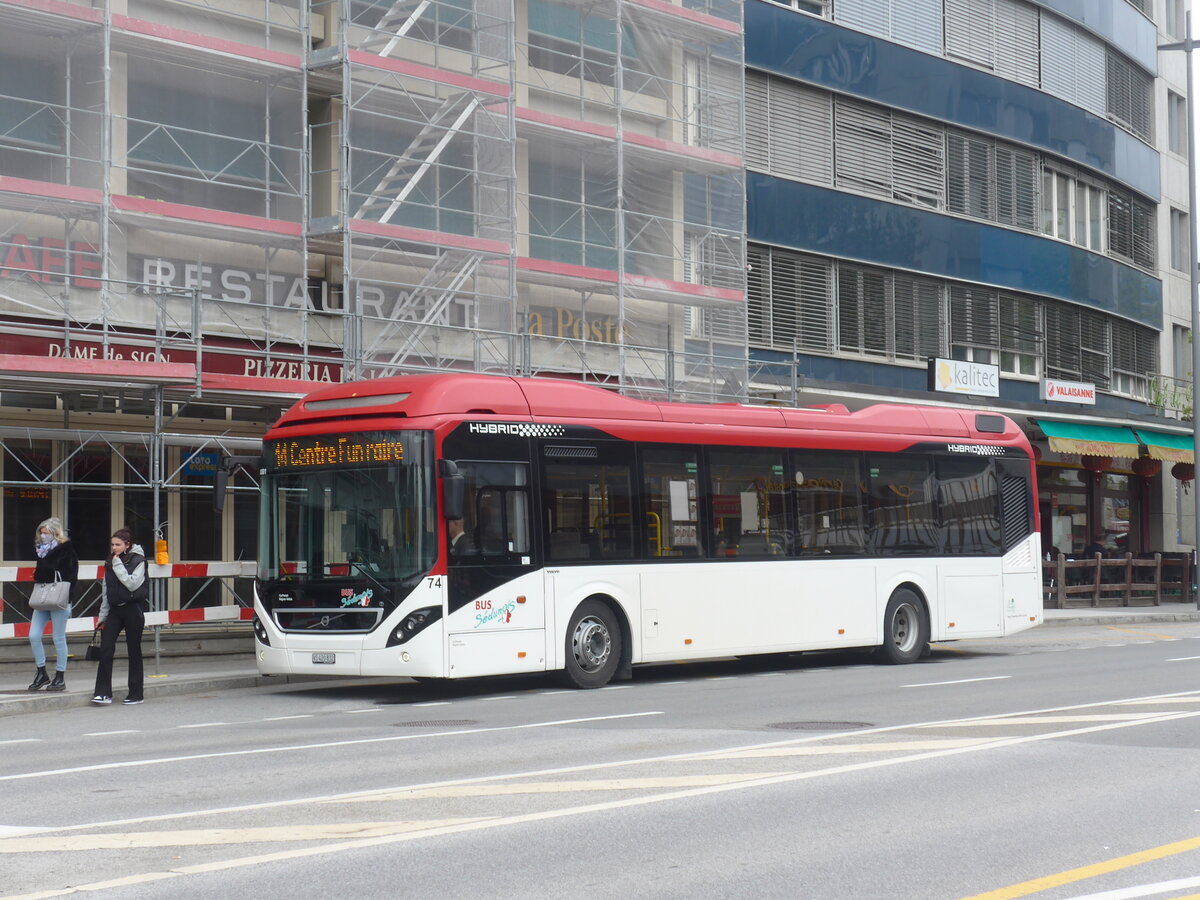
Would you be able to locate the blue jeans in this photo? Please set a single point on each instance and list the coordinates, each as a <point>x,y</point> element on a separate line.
<point>37,625</point>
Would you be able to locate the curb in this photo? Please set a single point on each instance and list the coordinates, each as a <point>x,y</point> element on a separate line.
<point>1119,619</point>
<point>16,704</point>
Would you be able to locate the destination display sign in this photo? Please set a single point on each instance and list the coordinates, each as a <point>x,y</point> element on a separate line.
<point>347,450</point>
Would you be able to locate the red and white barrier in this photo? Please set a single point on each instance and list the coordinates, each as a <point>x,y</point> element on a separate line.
<point>162,617</point>
<point>91,572</point>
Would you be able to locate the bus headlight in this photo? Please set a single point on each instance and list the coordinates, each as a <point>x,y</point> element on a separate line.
<point>260,632</point>
<point>413,624</point>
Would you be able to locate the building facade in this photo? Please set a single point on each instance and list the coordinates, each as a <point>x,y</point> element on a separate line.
<point>208,207</point>
<point>1000,185</point>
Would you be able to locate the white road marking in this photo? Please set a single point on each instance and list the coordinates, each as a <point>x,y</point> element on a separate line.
<point>213,837</point>
<point>351,712</point>
<point>504,697</point>
<point>105,733</point>
<point>829,749</point>
<point>557,787</point>
<point>23,741</point>
<point>286,718</point>
<point>135,763</point>
<point>434,703</point>
<point>1155,702</point>
<point>616,687</point>
<point>1183,658</point>
<point>637,761</point>
<point>202,725</point>
<point>548,815</point>
<point>1050,720</point>
<point>1143,890</point>
<point>958,681</point>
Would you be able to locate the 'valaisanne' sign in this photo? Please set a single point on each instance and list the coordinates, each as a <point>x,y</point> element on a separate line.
<point>1068,391</point>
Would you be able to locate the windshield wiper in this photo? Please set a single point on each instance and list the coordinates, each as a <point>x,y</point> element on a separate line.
<point>362,567</point>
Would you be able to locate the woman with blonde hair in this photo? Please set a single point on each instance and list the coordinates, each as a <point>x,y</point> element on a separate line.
<point>56,557</point>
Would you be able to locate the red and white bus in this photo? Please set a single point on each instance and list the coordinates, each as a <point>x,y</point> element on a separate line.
<point>452,526</point>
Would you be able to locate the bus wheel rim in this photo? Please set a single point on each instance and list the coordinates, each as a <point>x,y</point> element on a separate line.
<point>591,644</point>
<point>904,627</point>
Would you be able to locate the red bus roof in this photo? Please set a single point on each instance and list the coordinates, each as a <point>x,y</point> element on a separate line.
<point>371,404</point>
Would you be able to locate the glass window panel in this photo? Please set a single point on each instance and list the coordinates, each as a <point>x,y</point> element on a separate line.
<point>903,515</point>
<point>968,503</point>
<point>670,494</point>
<point>749,512</point>
<point>828,503</point>
<point>587,504</point>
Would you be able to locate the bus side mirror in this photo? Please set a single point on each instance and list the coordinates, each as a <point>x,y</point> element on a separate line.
<point>229,465</point>
<point>220,483</point>
<point>453,489</point>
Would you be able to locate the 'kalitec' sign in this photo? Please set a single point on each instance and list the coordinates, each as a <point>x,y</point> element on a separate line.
<point>956,376</point>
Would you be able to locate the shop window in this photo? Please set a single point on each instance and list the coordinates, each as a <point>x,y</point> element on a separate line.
<point>89,508</point>
<point>587,502</point>
<point>828,504</point>
<point>26,501</point>
<point>670,497</point>
<point>902,504</point>
<point>748,503</point>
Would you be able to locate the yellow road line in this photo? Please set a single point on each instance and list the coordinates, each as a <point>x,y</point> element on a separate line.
<point>1037,885</point>
<point>1149,634</point>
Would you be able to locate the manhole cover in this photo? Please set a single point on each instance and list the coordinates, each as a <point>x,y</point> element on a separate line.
<point>818,726</point>
<point>441,723</point>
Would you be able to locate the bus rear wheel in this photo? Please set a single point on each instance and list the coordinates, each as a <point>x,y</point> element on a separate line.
<point>593,645</point>
<point>905,628</point>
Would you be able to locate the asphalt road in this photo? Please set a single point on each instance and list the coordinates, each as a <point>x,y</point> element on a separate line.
<point>1059,764</point>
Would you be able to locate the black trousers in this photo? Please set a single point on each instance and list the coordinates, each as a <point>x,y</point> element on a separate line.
<point>130,618</point>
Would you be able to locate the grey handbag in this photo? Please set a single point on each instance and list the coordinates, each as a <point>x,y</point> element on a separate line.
<point>51,595</point>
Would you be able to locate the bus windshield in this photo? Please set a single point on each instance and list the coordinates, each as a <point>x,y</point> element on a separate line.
<point>343,508</point>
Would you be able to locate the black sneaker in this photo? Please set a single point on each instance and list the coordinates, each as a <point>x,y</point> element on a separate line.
<point>131,701</point>
<point>102,700</point>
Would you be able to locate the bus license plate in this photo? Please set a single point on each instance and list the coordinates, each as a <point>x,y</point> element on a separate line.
<point>324,658</point>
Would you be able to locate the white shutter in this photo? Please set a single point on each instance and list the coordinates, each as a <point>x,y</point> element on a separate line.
<point>970,31</point>
<point>1090,79</point>
<point>784,134</point>
<point>1017,41</point>
<point>871,16</point>
<point>918,23</point>
<point>970,177</point>
<point>815,116</point>
<point>1058,58</point>
<point>918,162</point>
<point>918,306</point>
<point>863,151</point>
<point>1016,187</point>
<point>757,121</point>
<point>789,300</point>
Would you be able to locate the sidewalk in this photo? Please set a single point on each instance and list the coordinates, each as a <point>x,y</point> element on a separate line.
<point>225,671</point>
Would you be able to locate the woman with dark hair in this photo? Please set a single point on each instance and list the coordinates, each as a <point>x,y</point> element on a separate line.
<point>123,607</point>
<point>56,560</point>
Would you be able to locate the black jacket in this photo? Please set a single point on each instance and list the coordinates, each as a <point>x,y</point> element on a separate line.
<point>62,559</point>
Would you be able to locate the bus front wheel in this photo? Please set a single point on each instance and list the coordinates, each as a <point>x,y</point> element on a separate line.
<point>593,645</point>
<point>905,628</point>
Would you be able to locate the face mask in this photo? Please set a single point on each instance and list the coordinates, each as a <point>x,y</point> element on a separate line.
<point>45,538</point>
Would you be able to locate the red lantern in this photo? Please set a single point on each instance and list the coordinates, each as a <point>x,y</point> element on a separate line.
<point>1183,471</point>
<point>1146,467</point>
<point>1096,463</point>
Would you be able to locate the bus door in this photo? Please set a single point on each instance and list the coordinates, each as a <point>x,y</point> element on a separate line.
<point>496,620</point>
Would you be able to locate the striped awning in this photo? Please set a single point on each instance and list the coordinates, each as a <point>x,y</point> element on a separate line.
<point>1167,447</point>
<point>1090,440</point>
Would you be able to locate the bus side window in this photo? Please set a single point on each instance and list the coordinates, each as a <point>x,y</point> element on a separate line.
<point>495,524</point>
<point>669,503</point>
